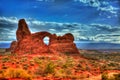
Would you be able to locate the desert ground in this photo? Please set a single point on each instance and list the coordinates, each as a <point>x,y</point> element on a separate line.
<point>88,65</point>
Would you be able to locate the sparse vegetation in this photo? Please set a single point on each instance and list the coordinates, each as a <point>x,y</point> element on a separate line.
<point>5,59</point>
<point>111,60</point>
<point>58,66</point>
<point>15,73</point>
<point>106,76</point>
<point>50,68</point>
<point>117,76</point>
<point>69,63</point>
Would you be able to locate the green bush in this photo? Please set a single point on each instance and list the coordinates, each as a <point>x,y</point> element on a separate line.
<point>50,68</point>
<point>69,63</point>
<point>31,63</point>
<point>5,59</point>
<point>37,60</point>
<point>104,76</point>
<point>114,77</point>
<point>25,66</point>
<point>4,66</point>
<point>16,73</point>
<point>117,76</point>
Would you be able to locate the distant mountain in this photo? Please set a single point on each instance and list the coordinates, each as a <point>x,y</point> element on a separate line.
<point>82,45</point>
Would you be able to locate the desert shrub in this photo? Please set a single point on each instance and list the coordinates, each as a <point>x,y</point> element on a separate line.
<point>81,61</point>
<point>50,68</point>
<point>64,73</point>
<point>16,73</point>
<point>113,64</point>
<point>23,59</point>
<point>1,71</point>
<point>15,54</point>
<point>42,67</point>
<point>4,66</point>
<point>104,76</point>
<point>59,73</point>
<point>68,71</point>
<point>117,76</point>
<point>67,53</point>
<point>69,63</point>
<point>5,59</point>
<point>104,67</point>
<point>43,57</point>
<point>87,68</point>
<point>31,63</point>
<point>79,65</point>
<point>39,71</point>
<point>114,77</point>
<point>37,60</point>
<point>25,66</point>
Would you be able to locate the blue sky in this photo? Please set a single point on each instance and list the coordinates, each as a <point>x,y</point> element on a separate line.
<point>87,20</point>
<point>82,11</point>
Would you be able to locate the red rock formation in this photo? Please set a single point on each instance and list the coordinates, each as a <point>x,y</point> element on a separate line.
<point>63,44</point>
<point>22,30</point>
<point>28,42</point>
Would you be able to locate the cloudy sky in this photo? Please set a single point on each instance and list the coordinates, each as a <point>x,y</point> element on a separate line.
<point>87,20</point>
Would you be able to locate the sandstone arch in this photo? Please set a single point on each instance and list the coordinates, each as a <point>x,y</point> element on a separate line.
<point>46,40</point>
<point>42,34</point>
<point>28,42</point>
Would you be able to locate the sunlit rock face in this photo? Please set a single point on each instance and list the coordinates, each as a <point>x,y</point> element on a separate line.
<point>32,43</point>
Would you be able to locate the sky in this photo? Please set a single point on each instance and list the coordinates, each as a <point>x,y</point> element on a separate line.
<point>87,20</point>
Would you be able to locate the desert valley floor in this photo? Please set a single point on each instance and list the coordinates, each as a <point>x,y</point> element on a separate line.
<point>88,65</point>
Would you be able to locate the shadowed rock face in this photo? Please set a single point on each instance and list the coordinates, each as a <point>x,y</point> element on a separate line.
<point>28,42</point>
<point>22,30</point>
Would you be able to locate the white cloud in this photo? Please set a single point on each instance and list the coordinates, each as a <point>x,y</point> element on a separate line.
<point>37,22</point>
<point>100,5</point>
<point>94,32</point>
<point>105,3</point>
<point>13,20</point>
<point>112,38</point>
<point>52,30</point>
<point>93,3</point>
<point>110,9</point>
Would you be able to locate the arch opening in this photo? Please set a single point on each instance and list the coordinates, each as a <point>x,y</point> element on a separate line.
<point>46,40</point>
